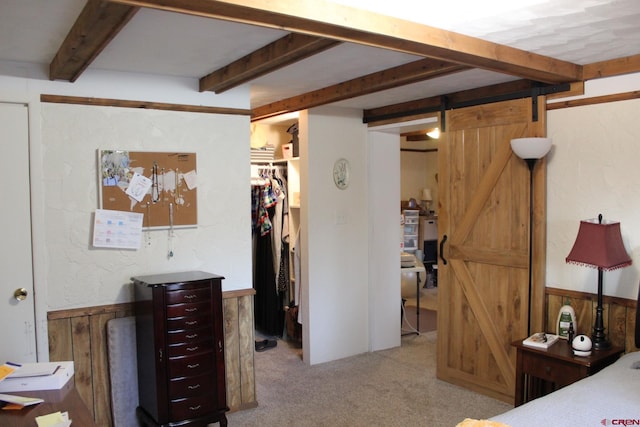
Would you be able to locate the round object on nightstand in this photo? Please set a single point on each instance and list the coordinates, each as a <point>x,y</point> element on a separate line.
<point>581,345</point>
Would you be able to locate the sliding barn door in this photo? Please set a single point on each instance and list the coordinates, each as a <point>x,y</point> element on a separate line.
<point>483,288</point>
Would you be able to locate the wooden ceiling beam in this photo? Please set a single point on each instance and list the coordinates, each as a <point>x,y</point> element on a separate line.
<point>401,75</point>
<point>330,20</point>
<point>434,103</point>
<point>613,67</point>
<point>282,52</point>
<point>98,23</point>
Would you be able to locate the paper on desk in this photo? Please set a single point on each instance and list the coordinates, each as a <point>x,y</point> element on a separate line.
<point>20,400</point>
<point>56,419</point>
<point>6,370</point>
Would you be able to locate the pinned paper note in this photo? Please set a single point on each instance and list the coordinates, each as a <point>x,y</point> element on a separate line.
<point>191,178</point>
<point>56,419</point>
<point>138,186</point>
<point>117,229</point>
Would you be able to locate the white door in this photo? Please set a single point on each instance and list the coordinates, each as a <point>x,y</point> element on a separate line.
<point>17,315</point>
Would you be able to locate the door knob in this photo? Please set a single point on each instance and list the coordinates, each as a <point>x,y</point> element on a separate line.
<point>20,294</point>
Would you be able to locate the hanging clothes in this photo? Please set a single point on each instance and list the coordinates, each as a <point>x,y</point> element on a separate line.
<point>297,276</point>
<point>268,307</point>
<point>279,190</point>
<point>268,205</point>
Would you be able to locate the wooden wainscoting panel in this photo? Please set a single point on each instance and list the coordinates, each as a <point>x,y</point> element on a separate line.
<point>80,331</point>
<point>618,314</point>
<point>239,350</point>
<point>79,335</point>
<point>100,378</point>
<point>231,352</point>
<point>60,341</point>
<point>247,347</point>
<point>630,343</point>
<point>617,324</point>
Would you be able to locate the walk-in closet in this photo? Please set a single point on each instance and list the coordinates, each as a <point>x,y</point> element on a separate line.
<point>275,204</point>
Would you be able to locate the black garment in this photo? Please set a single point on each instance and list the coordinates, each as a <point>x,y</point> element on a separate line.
<point>268,308</point>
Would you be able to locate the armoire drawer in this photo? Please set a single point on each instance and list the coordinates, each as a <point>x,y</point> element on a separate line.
<point>180,310</point>
<point>183,336</point>
<point>190,365</point>
<point>191,386</point>
<point>188,323</point>
<point>192,348</point>
<point>191,407</point>
<point>188,295</point>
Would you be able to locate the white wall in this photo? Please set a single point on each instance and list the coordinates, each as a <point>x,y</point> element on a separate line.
<point>593,169</point>
<point>384,246</point>
<point>79,275</point>
<point>68,273</point>
<point>418,170</point>
<point>334,235</point>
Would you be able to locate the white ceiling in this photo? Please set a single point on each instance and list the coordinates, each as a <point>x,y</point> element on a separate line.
<point>166,43</point>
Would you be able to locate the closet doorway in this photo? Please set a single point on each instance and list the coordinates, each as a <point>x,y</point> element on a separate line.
<point>275,194</point>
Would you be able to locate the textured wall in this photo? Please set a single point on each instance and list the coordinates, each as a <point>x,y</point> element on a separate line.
<point>593,169</point>
<point>78,275</point>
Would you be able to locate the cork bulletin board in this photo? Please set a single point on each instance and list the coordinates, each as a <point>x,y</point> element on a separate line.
<point>160,185</point>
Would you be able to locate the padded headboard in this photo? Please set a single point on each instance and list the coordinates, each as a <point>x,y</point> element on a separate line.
<point>123,369</point>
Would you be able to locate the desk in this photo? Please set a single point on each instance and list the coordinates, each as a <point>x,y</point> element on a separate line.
<point>419,268</point>
<point>66,399</point>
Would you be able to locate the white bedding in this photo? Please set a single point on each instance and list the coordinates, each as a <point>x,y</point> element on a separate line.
<point>611,395</point>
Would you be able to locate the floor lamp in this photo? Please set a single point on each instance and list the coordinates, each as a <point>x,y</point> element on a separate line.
<point>530,150</point>
<point>599,245</point>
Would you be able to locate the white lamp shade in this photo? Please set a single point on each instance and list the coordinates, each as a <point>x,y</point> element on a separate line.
<point>426,194</point>
<point>531,148</point>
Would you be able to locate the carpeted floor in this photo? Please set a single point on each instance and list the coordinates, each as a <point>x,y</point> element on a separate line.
<point>396,387</point>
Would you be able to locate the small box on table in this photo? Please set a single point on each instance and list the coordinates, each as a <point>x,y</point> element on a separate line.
<point>38,376</point>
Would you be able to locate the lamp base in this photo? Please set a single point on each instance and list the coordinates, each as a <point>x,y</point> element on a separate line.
<point>599,338</point>
<point>600,343</point>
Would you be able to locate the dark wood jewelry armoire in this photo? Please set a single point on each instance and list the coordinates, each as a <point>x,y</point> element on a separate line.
<point>180,347</point>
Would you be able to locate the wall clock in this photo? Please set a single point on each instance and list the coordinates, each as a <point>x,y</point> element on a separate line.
<point>341,173</point>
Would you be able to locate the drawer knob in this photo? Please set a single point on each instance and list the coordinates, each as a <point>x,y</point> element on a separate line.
<point>195,408</point>
<point>547,369</point>
<point>191,323</point>
<point>192,348</point>
<point>195,365</point>
<point>190,296</point>
<point>194,387</point>
<point>191,310</point>
<point>191,336</point>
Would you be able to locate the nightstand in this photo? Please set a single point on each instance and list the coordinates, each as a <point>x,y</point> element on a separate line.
<point>541,371</point>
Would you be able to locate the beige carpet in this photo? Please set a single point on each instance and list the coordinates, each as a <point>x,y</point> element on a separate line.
<point>396,387</point>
